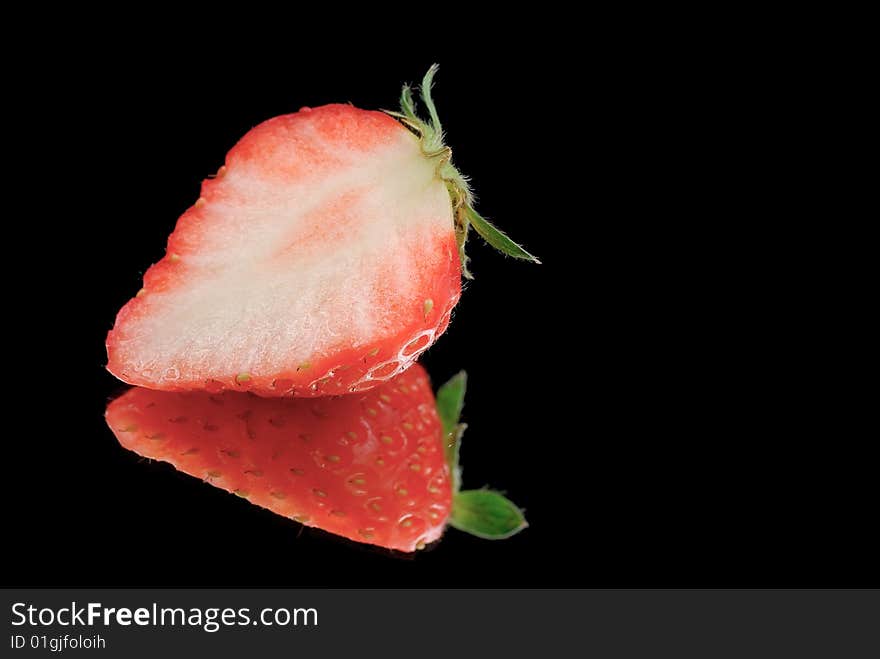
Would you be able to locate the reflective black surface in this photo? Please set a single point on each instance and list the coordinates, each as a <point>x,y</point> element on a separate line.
<point>649,394</point>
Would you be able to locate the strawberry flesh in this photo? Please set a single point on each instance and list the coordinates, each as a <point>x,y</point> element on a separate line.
<point>321,260</point>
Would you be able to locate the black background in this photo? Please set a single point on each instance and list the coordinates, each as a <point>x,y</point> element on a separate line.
<point>653,394</point>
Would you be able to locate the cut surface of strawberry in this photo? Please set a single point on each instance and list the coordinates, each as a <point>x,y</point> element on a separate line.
<point>322,259</point>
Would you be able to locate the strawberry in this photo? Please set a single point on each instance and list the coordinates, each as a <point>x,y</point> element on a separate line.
<point>322,259</point>
<point>371,466</point>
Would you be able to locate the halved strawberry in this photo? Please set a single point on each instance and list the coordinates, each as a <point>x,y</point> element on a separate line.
<point>371,467</point>
<point>323,258</point>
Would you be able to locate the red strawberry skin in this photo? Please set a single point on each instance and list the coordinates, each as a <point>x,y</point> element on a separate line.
<point>320,260</point>
<point>368,466</point>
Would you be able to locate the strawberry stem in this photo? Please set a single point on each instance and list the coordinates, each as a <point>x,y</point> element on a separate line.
<point>433,147</point>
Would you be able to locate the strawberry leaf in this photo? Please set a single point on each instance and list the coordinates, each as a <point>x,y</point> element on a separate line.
<point>450,401</point>
<point>496,237</point>
<point>486,514</point>
<point>453,448</point>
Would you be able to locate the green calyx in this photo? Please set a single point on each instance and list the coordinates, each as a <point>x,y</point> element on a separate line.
<point>484,513</point>
<point>430,133</point>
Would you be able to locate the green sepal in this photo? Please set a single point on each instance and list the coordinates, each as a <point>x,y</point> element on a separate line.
<point>497,238</point>
<point>450,402</point>
<point>453,449</point>
<point>486,514</point>
<point>407,107</point>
